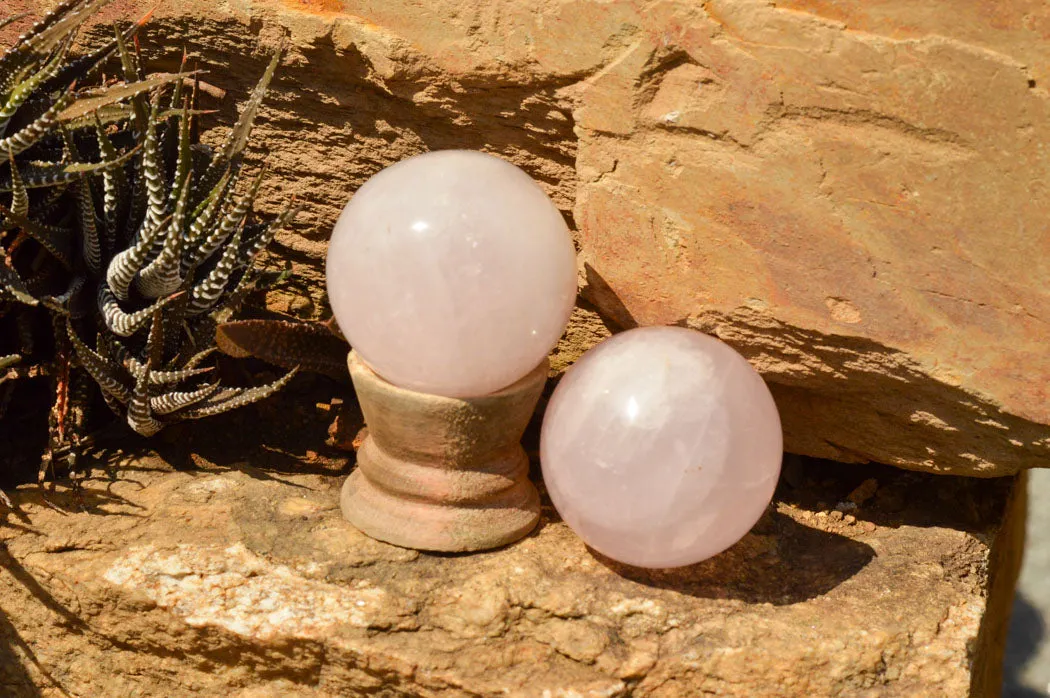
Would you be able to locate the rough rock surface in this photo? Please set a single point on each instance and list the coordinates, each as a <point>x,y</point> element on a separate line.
<point>235,574</point>
<point>853,194</point>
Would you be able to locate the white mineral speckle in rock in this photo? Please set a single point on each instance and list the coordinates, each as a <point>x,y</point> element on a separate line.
<point>632,605</point>
<point>613,690</point>
<point>236,589</point>
<point>201,491</point>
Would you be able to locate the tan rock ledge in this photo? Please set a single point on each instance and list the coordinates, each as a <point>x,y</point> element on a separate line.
<point>241,581</point>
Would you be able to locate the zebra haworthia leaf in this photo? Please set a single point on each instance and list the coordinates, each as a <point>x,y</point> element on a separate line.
<point>118,216</point>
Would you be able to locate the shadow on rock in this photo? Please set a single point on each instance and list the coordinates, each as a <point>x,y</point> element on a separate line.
<point>15,681</point>
<point>780,562</point>
<point>891,497</point>
<point>288,433</point>
<point>1027,630</point>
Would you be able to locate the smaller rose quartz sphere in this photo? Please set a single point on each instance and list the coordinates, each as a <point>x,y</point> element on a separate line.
<point>451,273</point>
<point>661,447</point>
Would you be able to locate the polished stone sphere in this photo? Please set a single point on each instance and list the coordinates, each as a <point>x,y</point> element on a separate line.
<point>451,273</point>
<point>661,447</point>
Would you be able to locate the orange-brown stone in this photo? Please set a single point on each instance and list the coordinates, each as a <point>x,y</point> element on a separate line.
<point>852,194</point>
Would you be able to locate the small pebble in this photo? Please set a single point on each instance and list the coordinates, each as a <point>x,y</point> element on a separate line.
<point>300,306</point>
<point>864,491</point>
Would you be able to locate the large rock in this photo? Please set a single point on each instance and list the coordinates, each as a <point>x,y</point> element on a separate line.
<point>861,212</point>
<point>242,579</point>
<point>855,197</point>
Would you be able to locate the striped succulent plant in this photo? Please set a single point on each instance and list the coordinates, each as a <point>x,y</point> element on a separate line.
<point>121,233</point>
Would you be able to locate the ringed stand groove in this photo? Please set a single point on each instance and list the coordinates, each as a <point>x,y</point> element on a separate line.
<point>440,473</point>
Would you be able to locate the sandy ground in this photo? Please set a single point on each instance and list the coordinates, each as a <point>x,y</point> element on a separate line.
<point>1028,649</point>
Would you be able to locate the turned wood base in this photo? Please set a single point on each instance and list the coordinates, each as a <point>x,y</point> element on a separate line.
<point>439,473</point>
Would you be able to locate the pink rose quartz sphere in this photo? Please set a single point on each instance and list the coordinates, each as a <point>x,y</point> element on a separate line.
<point>451,273</point>
<point>661,447</point>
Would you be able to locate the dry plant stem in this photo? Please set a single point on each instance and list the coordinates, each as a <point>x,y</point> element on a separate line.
<point>438,473</point>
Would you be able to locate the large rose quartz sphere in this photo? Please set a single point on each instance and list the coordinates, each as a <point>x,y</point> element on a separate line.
<point>661,447</point>
<point>451,273</point>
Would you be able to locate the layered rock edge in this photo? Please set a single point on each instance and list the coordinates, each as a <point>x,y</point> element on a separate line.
<point>853,197</point>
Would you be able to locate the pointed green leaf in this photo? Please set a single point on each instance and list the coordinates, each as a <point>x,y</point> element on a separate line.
<point>112,95</point>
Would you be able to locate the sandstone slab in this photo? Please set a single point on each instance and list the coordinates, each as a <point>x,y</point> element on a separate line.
<point>853,195</point>
<point>854,204</point>
<point>236,574</point>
